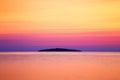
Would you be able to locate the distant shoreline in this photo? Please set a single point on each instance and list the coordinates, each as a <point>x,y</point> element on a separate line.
<point>59,50</point>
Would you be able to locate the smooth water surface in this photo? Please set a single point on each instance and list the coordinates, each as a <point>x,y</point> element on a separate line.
<point>60,66</point>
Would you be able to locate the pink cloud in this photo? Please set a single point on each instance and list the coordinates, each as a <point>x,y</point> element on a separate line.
<point>62,39</point>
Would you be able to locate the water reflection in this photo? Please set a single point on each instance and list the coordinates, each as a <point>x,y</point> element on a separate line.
<point>59,66</point>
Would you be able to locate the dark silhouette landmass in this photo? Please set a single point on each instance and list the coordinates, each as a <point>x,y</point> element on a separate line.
<point>59,50</point>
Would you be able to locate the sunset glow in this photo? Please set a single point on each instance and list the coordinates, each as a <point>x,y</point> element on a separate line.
<point>60,23</point>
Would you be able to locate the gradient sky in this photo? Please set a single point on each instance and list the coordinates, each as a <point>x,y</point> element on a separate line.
<point>90,25</point>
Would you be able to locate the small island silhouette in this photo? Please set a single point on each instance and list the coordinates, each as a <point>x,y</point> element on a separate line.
<point>59,50</point>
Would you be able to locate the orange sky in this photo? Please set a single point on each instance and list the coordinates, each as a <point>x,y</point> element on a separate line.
<point>59,23</point>
<point>17,16</point>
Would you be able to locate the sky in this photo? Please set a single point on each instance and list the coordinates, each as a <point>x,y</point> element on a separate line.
<point>89,25</point>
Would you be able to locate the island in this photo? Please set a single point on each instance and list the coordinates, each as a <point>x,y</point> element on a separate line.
<point>59,50</point>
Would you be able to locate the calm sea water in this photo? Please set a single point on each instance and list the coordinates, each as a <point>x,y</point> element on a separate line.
<point>60,66</point>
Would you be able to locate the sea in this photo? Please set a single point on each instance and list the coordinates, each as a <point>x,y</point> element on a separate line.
<point>59,65</point>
